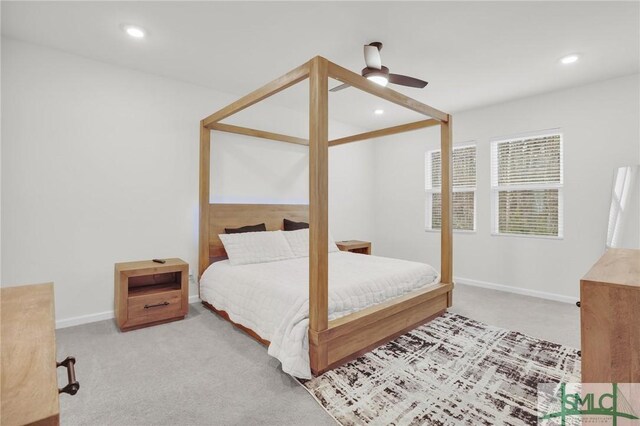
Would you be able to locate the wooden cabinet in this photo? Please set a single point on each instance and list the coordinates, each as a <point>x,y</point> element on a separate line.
<point>355,246</point>
<point>29,378</point>
<point>610,319</point>
<point>149,293</point>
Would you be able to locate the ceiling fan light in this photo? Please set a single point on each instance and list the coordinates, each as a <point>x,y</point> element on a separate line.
<point>378,79</point>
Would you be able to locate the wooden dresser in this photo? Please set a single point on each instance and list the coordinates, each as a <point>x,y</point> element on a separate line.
<point>610,319</point>
<point>29,378</point>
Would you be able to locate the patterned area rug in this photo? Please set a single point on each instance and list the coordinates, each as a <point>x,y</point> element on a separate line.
<point>451,371</point>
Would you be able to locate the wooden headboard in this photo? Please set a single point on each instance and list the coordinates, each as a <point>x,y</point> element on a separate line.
<point>236,215</point>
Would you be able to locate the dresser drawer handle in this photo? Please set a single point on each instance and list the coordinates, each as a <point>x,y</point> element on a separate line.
<point>578,303</point>
<point>156,305</point>
<point>73,385</point>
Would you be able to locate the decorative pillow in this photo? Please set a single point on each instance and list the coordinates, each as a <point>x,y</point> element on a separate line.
<point>299,242</point>
<point>256,247</point>
<point>290,225</point>
<point>261,227</point>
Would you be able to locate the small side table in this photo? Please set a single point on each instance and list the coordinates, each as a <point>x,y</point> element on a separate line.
<point>149,293</point>
<point>355,246</point>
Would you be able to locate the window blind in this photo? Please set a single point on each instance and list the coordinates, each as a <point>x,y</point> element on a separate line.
<point>464,188</point>
<point>526,181</point>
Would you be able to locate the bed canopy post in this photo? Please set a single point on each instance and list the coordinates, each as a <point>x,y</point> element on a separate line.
<point>203,230</point>
<point>446,243</point>
<point>318,200</point>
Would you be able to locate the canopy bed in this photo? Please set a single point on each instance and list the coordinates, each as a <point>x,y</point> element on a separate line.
<point>334,336</point>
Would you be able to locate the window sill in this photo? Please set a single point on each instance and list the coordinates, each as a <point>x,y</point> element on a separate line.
<point>455,231</point>
<point>540,237</point>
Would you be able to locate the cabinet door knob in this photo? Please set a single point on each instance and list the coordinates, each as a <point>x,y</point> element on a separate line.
<point>578,303</point>
<point>73,386</point>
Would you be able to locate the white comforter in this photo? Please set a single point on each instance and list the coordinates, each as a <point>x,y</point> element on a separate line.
<point>273,298</point>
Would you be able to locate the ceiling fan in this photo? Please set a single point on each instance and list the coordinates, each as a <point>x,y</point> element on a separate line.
<point>378,73</point>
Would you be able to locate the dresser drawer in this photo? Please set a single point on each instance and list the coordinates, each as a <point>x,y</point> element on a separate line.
<point>148,308</point>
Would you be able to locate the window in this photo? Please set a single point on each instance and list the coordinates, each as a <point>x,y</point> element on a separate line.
<point>464,189</point>
<point>526,185</point>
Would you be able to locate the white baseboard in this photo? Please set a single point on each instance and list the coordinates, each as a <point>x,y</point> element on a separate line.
<point>86,319</point>
<point>83,319</point>
<point>516,290</point>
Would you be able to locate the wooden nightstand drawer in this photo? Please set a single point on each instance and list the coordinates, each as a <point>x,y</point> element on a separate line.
<point>153,307</point>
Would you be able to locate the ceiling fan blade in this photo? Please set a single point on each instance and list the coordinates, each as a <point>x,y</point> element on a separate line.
<point>372,57</point>
<point>405,80</point>
<point>337,88</point>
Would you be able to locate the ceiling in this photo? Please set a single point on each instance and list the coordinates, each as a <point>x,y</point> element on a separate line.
<point>472,53</point>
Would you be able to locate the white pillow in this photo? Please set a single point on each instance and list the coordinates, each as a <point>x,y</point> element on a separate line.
<point>256,247</point>
<point>299,242</point>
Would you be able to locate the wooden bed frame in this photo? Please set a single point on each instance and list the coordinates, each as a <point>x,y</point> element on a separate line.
<point>331,343</point>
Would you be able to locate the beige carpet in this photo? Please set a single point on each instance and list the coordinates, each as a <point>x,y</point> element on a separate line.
<point>198,371</point>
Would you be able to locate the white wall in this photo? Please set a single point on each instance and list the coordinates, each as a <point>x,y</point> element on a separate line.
<point>261,171</point>
<point>600,123</point>
<point>100,165</point>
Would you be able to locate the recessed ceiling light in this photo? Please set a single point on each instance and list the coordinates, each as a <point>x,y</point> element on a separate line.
<point>378,112</point>
<point>570,59</point>
<point>133,31</point>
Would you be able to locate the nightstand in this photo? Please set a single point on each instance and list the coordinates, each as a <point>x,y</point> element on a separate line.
<point>149,293</point>
<point>355,246</point>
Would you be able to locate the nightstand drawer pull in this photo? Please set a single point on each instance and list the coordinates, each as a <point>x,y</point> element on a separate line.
<point>156,305</point>
<point>73,385</point>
